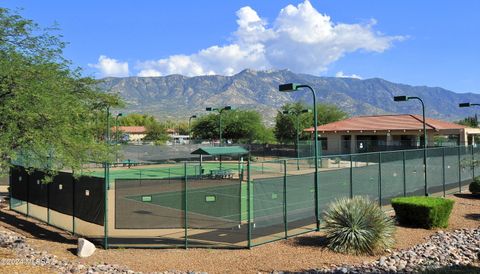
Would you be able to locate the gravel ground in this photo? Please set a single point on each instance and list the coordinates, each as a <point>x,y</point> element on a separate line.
<point>299,254</point>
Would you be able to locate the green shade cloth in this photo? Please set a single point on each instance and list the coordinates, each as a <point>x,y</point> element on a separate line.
<point>233,150</point>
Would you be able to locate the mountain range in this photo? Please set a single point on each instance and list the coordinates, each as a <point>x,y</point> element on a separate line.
<point>175,97</point>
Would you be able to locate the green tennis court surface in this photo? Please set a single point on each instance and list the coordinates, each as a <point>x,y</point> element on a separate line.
<point>293,193</point>
<point>162,172</point>
<point>219,202</point>
<point>229,202</point>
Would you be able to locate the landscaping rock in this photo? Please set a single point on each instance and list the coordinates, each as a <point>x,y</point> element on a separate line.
<point>460,248</point>
<point>85,248</point>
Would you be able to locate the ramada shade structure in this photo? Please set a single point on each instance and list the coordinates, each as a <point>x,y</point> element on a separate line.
<point>218,151</point>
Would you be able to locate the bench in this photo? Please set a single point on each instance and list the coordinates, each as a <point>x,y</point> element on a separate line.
<point>221,173</point>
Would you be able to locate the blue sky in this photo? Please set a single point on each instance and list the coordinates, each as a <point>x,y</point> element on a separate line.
<point>433,43</point>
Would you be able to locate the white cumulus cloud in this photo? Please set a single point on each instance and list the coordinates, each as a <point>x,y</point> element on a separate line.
<point>300,39</point>
<point>110,67</point>
<point>340,74</point>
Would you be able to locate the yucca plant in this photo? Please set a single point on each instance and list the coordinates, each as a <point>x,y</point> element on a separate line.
<point>358,226</point>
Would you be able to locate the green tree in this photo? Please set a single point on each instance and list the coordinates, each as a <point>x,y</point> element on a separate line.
<point>182,127</point>
<point>328,113</point>
<point>156,132</point>
<point>136,119</point>
<point>469,121</point>
<point>286,124</point>
<point>50,114</point>
<point>237,125</point>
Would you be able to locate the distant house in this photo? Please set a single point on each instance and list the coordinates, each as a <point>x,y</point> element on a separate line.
<point>132,133</point>
<point>390,132</point>
<point>176,138</point>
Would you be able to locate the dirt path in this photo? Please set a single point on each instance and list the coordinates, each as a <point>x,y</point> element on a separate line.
<point>296,254</point>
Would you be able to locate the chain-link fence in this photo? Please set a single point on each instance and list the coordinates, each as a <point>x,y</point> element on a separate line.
<point>182,152</point>
<point>236,203</point>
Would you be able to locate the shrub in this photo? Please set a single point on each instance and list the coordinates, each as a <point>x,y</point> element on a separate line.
<point>425,212</point>
<point>358,226</point>
<point>474,186</point>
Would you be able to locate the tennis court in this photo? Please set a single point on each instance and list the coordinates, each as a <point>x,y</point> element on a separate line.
<point>188,204</point>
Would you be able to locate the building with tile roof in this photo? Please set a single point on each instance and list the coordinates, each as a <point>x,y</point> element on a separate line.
<point>132,133</point>
<point>390,132</point>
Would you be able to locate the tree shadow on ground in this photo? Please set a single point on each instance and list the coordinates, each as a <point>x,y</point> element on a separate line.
<point>467,196</point>
<point>314,241</point>
<point>14,222</point>
<point>473,216</point>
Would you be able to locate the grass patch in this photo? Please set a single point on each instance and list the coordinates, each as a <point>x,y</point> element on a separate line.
<point>425,212</point>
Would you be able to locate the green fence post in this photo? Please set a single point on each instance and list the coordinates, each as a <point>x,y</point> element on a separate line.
<point>249,216</point>
<point>48,190</point>
<point>380,178</point>
<point>285,221</point>
<point>73,207</point>
<point>48,204</point>
<point>185,204</point>
<point>28,194</point>
<point>404,175</point>
<point>351,176</point>
<point>443,172</point>
<point>459,171</point>
<point>105,217</point>
<point>473,164</point>
<point>10,188</point>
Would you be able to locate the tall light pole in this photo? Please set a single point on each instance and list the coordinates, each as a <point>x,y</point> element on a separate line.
<point>406,98</point>
<point>294,87</point>
<point>116,127</point>
<point>219,110</point>
<point>107,183</point>
<point>189,128</point>
<point>107,137</point>
<point>297,128</point>
<point>116,136</point>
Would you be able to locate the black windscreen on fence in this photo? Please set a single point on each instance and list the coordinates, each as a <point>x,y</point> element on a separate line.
<point>37,189</point>
<point>19,183</point>
<point>90,199</point>
<point>58,194</point>
<point>61,193</point>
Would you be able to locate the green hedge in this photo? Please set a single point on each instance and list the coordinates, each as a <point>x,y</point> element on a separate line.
<point>425,212</point>
<point>474,186</point>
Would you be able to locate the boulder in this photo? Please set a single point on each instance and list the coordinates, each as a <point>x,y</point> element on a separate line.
<point>85,248</point>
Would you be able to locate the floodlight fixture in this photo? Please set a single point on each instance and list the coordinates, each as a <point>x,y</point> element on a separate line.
<point>400,98</point>
<point>466,105</point>
<point>288,87</point>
